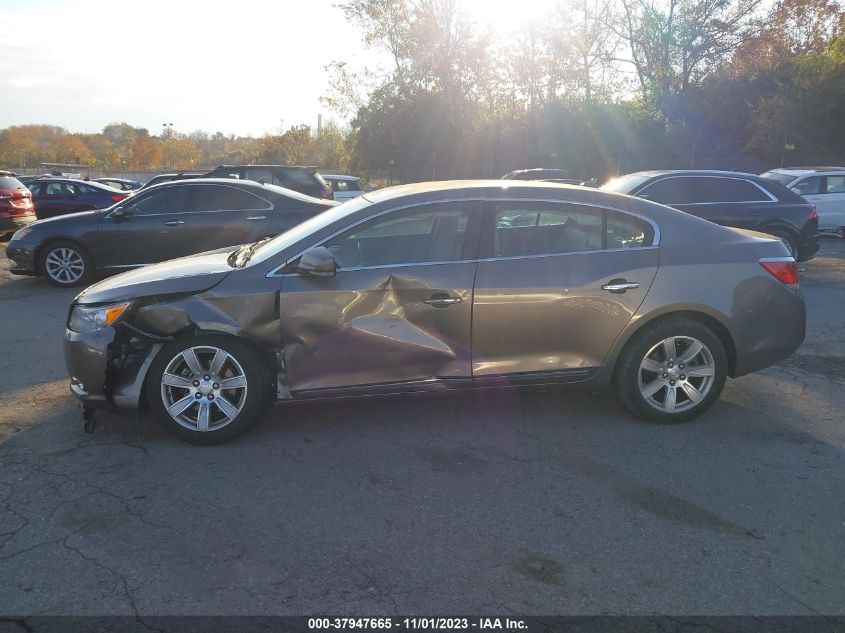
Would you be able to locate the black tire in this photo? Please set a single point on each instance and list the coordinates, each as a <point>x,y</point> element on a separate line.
<point>46,264</point>
<point>630,376</point>
<point>246,361</point>
<point>788,241</point>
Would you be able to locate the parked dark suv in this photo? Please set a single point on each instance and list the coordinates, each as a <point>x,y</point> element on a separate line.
<point>744,201</point>
<point>302,179</point>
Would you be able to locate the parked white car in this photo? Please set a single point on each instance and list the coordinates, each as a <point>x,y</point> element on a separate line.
<point>822,186</point>
<point>344,187</point>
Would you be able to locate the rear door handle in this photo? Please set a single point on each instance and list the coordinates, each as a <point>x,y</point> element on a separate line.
<point>257,217</point>
<point>174,222</point>
<point>618,286</point>
<point>442,301</point>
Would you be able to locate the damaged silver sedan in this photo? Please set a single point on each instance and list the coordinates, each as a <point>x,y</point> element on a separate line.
<point>435,287</point>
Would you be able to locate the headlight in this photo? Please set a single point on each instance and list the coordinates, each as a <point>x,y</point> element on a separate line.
<point>21,233</point>
<point>84,319</point>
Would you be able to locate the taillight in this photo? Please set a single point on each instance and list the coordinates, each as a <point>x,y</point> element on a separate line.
<point>814,214</point>
<point>117,197</point>
<point>784,269</point>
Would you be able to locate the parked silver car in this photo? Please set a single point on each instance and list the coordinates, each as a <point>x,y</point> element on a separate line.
<point>441,286</point>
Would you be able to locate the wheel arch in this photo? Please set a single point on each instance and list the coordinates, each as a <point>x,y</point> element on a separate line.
<point>269,362</point>
<point>703,317</point>
<point>39,250</point>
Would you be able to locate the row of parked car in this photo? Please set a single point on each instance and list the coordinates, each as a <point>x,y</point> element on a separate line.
<point>107,230</point>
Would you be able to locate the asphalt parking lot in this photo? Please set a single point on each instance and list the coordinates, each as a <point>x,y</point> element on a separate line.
<point>538,503</point>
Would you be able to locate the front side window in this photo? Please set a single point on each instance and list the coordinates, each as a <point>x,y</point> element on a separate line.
<point>543,228</point>
<point>669,191</point>
<point>428,233</point>
<point>35,188</point>
<point>162,201</point>
<point>836,184</point>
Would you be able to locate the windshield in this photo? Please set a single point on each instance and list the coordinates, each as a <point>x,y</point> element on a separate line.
<point>312,225</point>
<point>777,176</point>
<point>625,184</point>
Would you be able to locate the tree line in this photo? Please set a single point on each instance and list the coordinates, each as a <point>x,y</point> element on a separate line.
<point>597,87</point>
<point>122,147</point>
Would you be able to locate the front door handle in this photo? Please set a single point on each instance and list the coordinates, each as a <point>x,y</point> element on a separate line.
<point>257,217</point>
<point>442,301</point>
<point>174,222</point>
<point>618,286</point>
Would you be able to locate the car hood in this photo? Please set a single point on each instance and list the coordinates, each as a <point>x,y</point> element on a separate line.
<point>70,219</point>
<point>185,275</point>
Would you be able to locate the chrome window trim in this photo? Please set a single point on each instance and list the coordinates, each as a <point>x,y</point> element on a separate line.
<point>655,242</point>
<point>201,184</point>
<point>771,198</point>
<point>489,259</point>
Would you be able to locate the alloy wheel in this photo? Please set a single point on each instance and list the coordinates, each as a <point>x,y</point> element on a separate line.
<point>64,265</point>
<point>676,374</point>
<point>203,388</point>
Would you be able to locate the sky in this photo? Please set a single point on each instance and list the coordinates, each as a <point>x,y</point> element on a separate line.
<point>244,67</point>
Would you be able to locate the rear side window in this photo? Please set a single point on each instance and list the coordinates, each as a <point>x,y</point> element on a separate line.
<point>299,177</point>
<point>836,184</point>
<point>541,228</point>
<point>264,176</point>
<point>725,190</point>
<point>60,189</point>
<point>10,183</point>
<point>211,198</point>
<point>808,186</point>
<point>346,185</point>
<point>625,231</point>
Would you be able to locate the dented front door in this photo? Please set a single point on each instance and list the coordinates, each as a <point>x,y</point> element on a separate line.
<point>397,312</point>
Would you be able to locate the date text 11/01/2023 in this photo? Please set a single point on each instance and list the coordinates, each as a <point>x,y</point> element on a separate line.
<point>419,624</point>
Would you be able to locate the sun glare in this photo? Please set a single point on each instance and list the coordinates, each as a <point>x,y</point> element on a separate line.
<point>506,15</point>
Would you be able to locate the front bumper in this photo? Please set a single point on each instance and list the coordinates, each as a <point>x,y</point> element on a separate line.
<point>21,258</point>
<point>106,371</point>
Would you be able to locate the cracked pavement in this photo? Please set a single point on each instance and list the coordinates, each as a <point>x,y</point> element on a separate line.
<point>532,503</point>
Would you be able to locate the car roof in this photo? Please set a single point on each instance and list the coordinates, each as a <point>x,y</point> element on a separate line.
<point>691,172</point>
<point>800,171</point>
<point>314,167</point>
<point>340,177</point>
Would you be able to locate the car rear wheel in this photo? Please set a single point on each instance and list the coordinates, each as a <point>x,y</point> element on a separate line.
<point>66,264</point>
<point>208,389</point>
<point>671,371</point>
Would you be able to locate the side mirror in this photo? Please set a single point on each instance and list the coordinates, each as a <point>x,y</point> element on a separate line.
<point>317,261</point>
<point>122,213</point>
<point>796,190</point>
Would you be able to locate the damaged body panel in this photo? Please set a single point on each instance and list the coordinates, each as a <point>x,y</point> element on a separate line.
<point>434,287</point>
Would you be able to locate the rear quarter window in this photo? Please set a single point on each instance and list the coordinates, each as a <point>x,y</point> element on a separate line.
<point>10,183</point>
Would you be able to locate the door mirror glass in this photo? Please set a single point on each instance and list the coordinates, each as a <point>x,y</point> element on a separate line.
<point>797,190</point>
<point>123,213</point>
<point>317,261</point>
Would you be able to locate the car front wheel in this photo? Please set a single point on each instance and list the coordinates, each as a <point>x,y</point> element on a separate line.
<point>66,264</point>
<point>671,371</point>
<point>207,389</point>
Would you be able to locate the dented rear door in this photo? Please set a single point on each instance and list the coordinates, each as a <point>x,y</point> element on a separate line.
<point>397,312</point>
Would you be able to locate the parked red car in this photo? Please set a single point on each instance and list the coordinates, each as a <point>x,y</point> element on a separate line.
<point>16,208</point>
